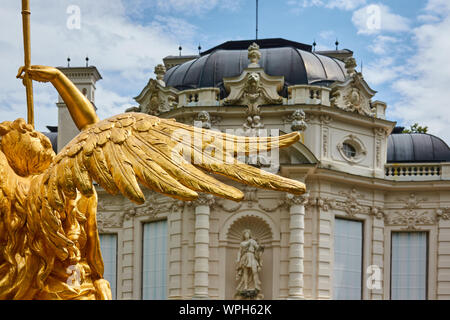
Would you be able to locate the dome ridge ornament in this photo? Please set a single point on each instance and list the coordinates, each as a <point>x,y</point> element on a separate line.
<point>253,87</point>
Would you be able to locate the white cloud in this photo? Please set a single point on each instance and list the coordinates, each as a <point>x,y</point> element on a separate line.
<point>124,51</point>
<point>187,7</point>
<point>427,18</point>
<point>438,6</point>
<point>377,18</point>
<point>382,44</point>
<point>423,89</point>
<point>382,70</point>
<point>330,4</point>
<point>345,4</point>
<point>327,34</point>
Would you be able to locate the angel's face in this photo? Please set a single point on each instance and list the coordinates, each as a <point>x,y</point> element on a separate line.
<point>28,152</point>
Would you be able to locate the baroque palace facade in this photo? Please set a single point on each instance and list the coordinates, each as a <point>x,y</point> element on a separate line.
<point>374,224</point>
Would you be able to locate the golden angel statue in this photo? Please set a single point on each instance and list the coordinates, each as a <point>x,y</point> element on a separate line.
<point>49,243</point>
<point>249,264</point>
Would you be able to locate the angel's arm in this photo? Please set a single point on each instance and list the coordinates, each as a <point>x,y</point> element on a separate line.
<point>125,150</point>
<point>80,108</point>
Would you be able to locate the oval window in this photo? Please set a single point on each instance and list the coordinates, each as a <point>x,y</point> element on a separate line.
<point>349,150</point>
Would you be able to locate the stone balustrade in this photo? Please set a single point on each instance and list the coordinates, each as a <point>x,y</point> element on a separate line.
<point>417,171</point>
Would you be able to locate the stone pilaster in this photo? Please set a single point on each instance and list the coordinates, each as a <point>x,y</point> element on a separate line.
<point>296,243</point>
<point>201,242</point>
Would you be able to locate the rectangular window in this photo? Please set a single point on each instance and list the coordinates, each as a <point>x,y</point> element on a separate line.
<point>409,265</point>
<point>108,247</point>
<point>154,264</point>
<point>347,273</point>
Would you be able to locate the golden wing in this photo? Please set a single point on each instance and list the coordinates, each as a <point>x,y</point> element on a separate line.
<point>163,155</point>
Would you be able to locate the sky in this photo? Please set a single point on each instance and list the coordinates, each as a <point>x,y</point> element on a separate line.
<point>402,46</point>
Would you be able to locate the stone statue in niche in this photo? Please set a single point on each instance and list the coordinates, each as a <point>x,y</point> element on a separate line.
<point>249,264</point>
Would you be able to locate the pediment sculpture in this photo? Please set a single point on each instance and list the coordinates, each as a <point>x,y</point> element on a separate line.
<point>253,87</point>
<point>156,98</point>
<point>353,94</point>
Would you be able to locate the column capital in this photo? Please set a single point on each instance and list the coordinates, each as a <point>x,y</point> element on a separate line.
<point>204,199</point>
<point>293,200</point>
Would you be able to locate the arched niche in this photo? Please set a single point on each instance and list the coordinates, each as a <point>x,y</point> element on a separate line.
<point>265,231</point>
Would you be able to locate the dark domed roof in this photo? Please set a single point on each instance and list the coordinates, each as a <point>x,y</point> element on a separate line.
<point>280,57</point>
<point>53,137</point>
<point>416,147</point>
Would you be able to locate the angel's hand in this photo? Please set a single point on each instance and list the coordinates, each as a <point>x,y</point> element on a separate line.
<point>38,73</point>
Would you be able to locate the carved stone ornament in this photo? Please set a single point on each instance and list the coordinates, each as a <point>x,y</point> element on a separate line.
<point>353,95</point>
<point>252,126</point>
<point>443,213</point>
<point>160,71</point>
<point>156,99</point>
<point>112,219</point>
<point>322,203</point>
<point>254,55</point>
<point>293,200</point>
<point>253,87</point>
<point>154,205</point>
<point>205,119</point>
<point>204,199</point>
<point>350,65</point>
<point>411,214</point>
<point>298,120</point>
<point>351,205</point>
<point>377,212</point>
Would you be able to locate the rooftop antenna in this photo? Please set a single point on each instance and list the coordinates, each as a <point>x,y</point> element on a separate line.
<point>180,48</point>
<point>68,62</point>
<point>337,44</point>
<point>257,19</point>
<point>87,61</point>
<point>314,45</point>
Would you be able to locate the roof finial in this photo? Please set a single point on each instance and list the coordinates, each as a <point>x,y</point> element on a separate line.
<point>87,61</point>
<point>314,45</point>
<point>350,65</point>
<point>68,62</point>
<point>337,44</point>
<point>160,71</point>
<point>254,55</point>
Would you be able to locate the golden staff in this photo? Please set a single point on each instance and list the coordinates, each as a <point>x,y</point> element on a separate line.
<point>27,46</point>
